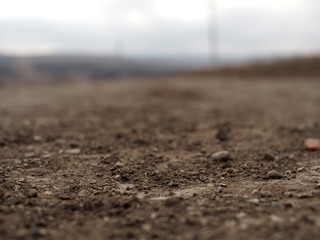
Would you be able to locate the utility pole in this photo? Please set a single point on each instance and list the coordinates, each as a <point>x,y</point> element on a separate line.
<point>213,34</point>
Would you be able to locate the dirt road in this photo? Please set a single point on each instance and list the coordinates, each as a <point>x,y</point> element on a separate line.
<point>133,160</point>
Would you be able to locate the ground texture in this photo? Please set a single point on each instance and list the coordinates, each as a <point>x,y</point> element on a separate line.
<point>133,159</point>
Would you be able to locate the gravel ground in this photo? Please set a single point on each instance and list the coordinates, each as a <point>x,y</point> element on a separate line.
<point>175,158</point>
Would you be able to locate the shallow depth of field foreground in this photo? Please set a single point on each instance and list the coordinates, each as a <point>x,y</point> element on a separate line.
<point>136,159</point>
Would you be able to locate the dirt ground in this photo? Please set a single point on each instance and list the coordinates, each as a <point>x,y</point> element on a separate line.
<point>133,159</point>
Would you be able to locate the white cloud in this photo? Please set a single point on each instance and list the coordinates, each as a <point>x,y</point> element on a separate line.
<point>159,27</point>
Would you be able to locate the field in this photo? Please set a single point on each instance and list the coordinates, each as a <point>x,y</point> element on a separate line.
<point>135,159</point>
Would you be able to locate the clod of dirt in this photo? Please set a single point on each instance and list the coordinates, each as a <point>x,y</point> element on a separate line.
<point>221,156</point>
<point>222,134</point>
<point>274,175</point>
<point>312,143</point>
<point>269,157</point>
<point>31,193</point>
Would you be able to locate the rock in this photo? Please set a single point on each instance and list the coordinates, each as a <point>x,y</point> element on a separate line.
<point>316,168</point>
<point>73,151</point>
<point>222,134</point>
<point>117,177</point>
<point>312,143</point>
<point>37,138</point>
<point>31,193</point>
<point>269,157</point>
<point>318,186</point>
<point>221,156</point>
<point>288,194</point>
<point>172,201</point>
<point>254,201</point>
<point>288,204</point>
<point>274,175</point>
<point>2,194</point>
<point>265,193</point>
<point>304,195</point>
<point>83,193</point>
<point>300,169</point>
<point>275,204</point>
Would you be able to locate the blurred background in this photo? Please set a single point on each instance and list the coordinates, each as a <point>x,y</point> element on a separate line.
<point>101,39</point>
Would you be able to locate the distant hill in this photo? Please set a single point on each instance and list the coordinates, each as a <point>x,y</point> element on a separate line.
<point>61,68</point>
<point>300,66</point>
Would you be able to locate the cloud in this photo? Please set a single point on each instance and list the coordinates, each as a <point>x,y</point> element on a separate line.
<point>144,28</point>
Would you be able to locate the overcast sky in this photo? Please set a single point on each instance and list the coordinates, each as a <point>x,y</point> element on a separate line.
<point>162,28</point>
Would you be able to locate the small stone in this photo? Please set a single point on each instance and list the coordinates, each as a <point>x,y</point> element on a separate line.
<point>117,177</point>
<point>31,193</point>
<point>73,151</point>
<point>274,175</point>
<point>30,155</point>
<point>241,215</point>
<point>172,201</point>
<point>269,157</point>
<point>288,194</point>
<point>119,164</point>
<point>312,144</point>
<point>2,194</point>
<point>304,195</point>
<point>265,193</point>
<point>221,156</point>
<point>222,134</point>
<point>254,201</point>
<point>275,204</point>
<point>300,169</point>
<point>316,168</point>
<point>318,186</point>
<point>288,172</point>
<point>288,204</point>
<point>83,193</point>
<point>275,218</point>
<point>37,138</point>
<point>17,161</point>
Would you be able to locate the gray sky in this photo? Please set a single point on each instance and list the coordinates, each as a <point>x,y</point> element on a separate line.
<point>162,28</point>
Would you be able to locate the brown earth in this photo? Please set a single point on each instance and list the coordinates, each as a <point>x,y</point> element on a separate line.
<point>133,160</point>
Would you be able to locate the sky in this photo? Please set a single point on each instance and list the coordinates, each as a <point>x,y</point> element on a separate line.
<point>160,28</point>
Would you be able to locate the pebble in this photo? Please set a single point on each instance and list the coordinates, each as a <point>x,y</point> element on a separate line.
<point>269,157</point>
<point>274,175</point>
<point>2,194</point>
<point>221,156</point>
<point>288,204</point>
<point>255,201</point>
<point>304,195</point>
<point>37,138</point>
<point>316,168</point>
<point>318,186</point>
<point>31,193</point>
<point>83,193</point>
<point>222,134</point>
<point>172,201</point>
<point>73,151</point>
<point>312,144</point>
<point>288,194</point>
<point>265,193</point>
<point>275,204</point>
<point>117,177</point>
